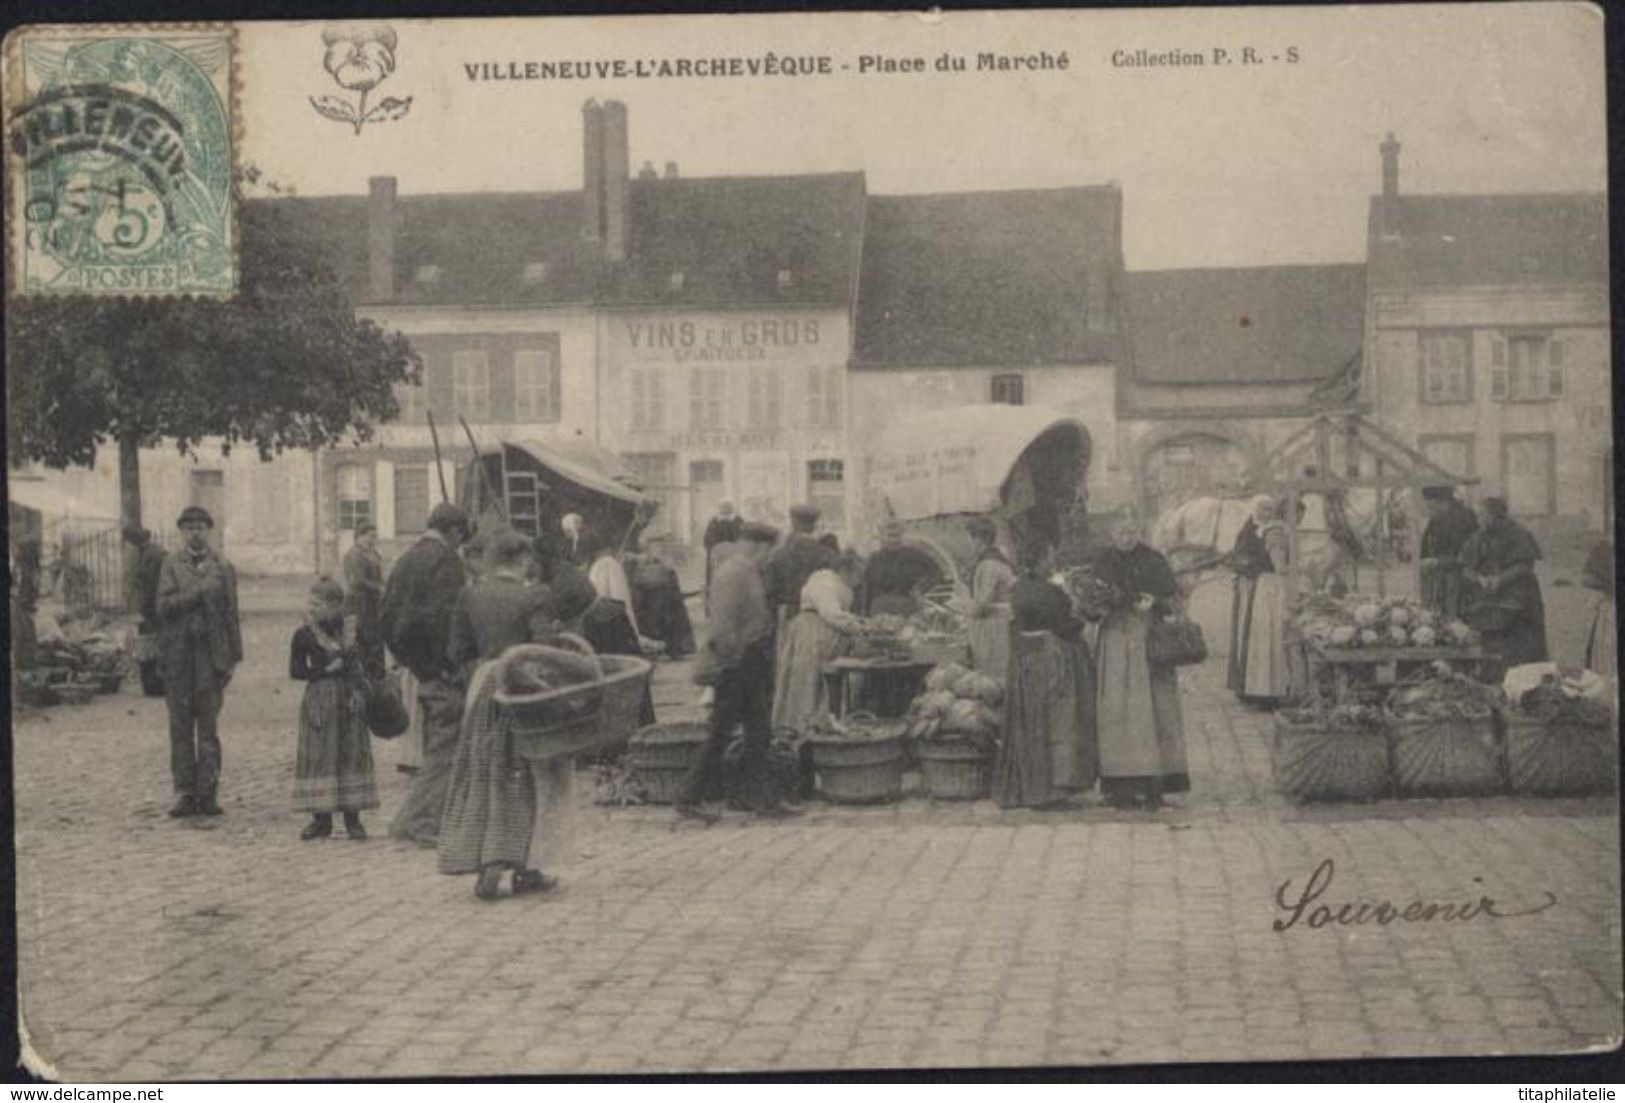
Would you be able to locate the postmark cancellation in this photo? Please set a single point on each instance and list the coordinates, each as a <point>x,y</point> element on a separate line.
<point>120,158</point>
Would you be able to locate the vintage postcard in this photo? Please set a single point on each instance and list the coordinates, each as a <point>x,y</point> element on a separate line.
<point>811,541</point>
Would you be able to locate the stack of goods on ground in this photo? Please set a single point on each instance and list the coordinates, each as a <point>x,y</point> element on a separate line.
<point>1362,622</point>
<point>938,634</point>
<point>73,662</point>
<point>655,767</point>
<point>1444,734</point>
<point>1560,735</point>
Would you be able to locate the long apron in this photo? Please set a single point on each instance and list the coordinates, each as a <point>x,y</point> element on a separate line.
<point>1139,720</point>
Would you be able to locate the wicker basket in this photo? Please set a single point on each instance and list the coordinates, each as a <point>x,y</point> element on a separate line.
<point>580,718</point>
<point>1449,757</point>
<point>660,756</point>
<point>1313,763</point>
<point>1554,758</point>
<point>860,769</point>
<point>955,769</point>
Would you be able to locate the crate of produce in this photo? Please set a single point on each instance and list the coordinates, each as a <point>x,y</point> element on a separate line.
<point>567,700</point>
<point>1331,753</point>
<point>1560,740</point>
<point>658,758</point>
<point>859,760</point>
<point>1445,737</point>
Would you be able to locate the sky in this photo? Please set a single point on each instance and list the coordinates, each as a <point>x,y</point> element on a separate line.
<point>1220,165</point>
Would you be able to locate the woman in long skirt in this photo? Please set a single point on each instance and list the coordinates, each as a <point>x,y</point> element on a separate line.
<point>1048,753</point>
<point>1264,660</point>
<point>1142,736</point>
<point>1249,560</point>
<point>1602,648</point>
<point>503,812</point>
<point>991,579</point>
<point>333,766</point>
<point>816,635</point>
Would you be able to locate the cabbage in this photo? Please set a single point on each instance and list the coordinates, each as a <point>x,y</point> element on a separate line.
<point>944,677</point>
<point>966,717</point>
<point>1399,615</point>
<point>1398,636</point>
<point>1370,637</point>
<point>933,703</point>
<point>1424,636</point>
<point>1343,635</point>
<point>1366,615</point>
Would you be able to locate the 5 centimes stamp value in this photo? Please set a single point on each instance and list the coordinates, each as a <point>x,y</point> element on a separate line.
<point>120,160</point>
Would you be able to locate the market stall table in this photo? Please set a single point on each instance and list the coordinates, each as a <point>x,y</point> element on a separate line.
<point>892,679</point>
<point>1381,666</point>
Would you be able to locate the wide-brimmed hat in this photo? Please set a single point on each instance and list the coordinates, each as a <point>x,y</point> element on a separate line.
<point>194,513</point>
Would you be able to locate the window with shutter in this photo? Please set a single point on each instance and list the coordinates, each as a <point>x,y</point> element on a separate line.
<point>411,498</point>
<point>1007,390</point>
<point>647,398</point>
<point>1446,368</point>
<point>705,398</point>
<point>535,379</point>
<point>471,383</point>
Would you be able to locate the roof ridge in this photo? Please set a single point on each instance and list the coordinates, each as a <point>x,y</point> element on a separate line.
<point>1294,267</point>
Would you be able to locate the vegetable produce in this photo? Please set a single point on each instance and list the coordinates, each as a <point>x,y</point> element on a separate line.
<point>1424,636</point>
<point>1398,636</point>
<point>1370,637</point>
<point>1563,700</point>
<point>1444,695</point>
<point>1399,615</point>
<point>957,703</point>
<point>1343,635</point>
<point>1365,615</point>
<point>945,677</point>
<point>934,704</point>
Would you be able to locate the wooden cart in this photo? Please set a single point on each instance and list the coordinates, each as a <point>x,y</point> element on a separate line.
<point>1348,668</point>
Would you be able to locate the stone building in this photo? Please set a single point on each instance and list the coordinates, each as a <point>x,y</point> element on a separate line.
<point>1488,342</point>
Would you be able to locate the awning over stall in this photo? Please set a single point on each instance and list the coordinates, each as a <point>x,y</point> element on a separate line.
<point>589,468</point>
<point>960,460</point>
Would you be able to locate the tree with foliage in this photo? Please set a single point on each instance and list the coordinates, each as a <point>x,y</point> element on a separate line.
<point>284,364</point>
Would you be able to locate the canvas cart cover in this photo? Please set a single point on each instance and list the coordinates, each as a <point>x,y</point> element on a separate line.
<point>543,482</point>
<point>959,460</point>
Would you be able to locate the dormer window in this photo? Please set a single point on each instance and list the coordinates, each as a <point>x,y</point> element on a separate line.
<point>535,272</point>
<point>427,273</point>
<point>674,282</point>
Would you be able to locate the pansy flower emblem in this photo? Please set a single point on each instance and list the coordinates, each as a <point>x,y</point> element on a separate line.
<point>359,57</point>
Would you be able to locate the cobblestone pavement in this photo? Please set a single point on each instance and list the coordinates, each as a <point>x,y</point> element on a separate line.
<point>909,935</point>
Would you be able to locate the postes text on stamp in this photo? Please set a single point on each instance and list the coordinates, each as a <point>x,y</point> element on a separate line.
<point>120,161</point>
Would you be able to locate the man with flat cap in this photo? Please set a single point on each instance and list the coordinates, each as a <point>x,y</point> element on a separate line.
<point>418,603</point>
<point>791,564</point>
<point>200,643</point>
<point>1449,525</point>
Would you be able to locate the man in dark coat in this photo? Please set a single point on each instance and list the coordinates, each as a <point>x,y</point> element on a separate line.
<point>200,643</point>
<point>791,564</point>
<point>1502,596</point>
<point>724,528</point>
<point>737,661</point>
<point>1450,525</point>
<point>149,561</point>
<point>418,603</point>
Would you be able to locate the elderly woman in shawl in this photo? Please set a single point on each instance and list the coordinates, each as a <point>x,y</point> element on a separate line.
<point>1264,656</point>
<point>818,633</point>
<point>991,579</point>
<point>1249,560</point>
<point>1502,595</point>
<point>1142,736</point>
<point>503,812</point>
<point>1048,754</point>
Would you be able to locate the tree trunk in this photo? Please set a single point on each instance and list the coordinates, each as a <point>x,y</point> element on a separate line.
<point>129,482</point>
<point>129,509</point>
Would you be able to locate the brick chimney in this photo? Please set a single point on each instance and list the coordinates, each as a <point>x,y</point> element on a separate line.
<point>617,174</point>
<point>381,238</point>
<point>1389,211</point>
<point>592,168</point>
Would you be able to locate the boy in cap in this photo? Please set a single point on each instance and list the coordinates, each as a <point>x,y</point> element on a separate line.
<point>200,643</point>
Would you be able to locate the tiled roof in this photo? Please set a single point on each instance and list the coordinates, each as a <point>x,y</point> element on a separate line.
<point>729,237</point>
<point>1483,240</point>
<point>994,278</point>
<point>1245,325</point>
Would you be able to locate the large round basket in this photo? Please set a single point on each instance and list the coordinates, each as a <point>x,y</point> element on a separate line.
<point>1446,757</point>
<point>955,769</point>
<point>581,718</point>
<point>1558,758</point>
<point>859,770</point>
<point>1313,762</point>
<point>659,758</point>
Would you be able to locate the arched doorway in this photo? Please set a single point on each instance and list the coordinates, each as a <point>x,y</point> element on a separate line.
<point>1192,465</point>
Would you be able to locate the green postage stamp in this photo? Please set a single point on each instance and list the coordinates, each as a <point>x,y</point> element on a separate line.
<point>120,160</point>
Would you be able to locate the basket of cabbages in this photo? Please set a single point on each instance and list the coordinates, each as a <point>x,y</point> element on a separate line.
<point>954,730</point>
